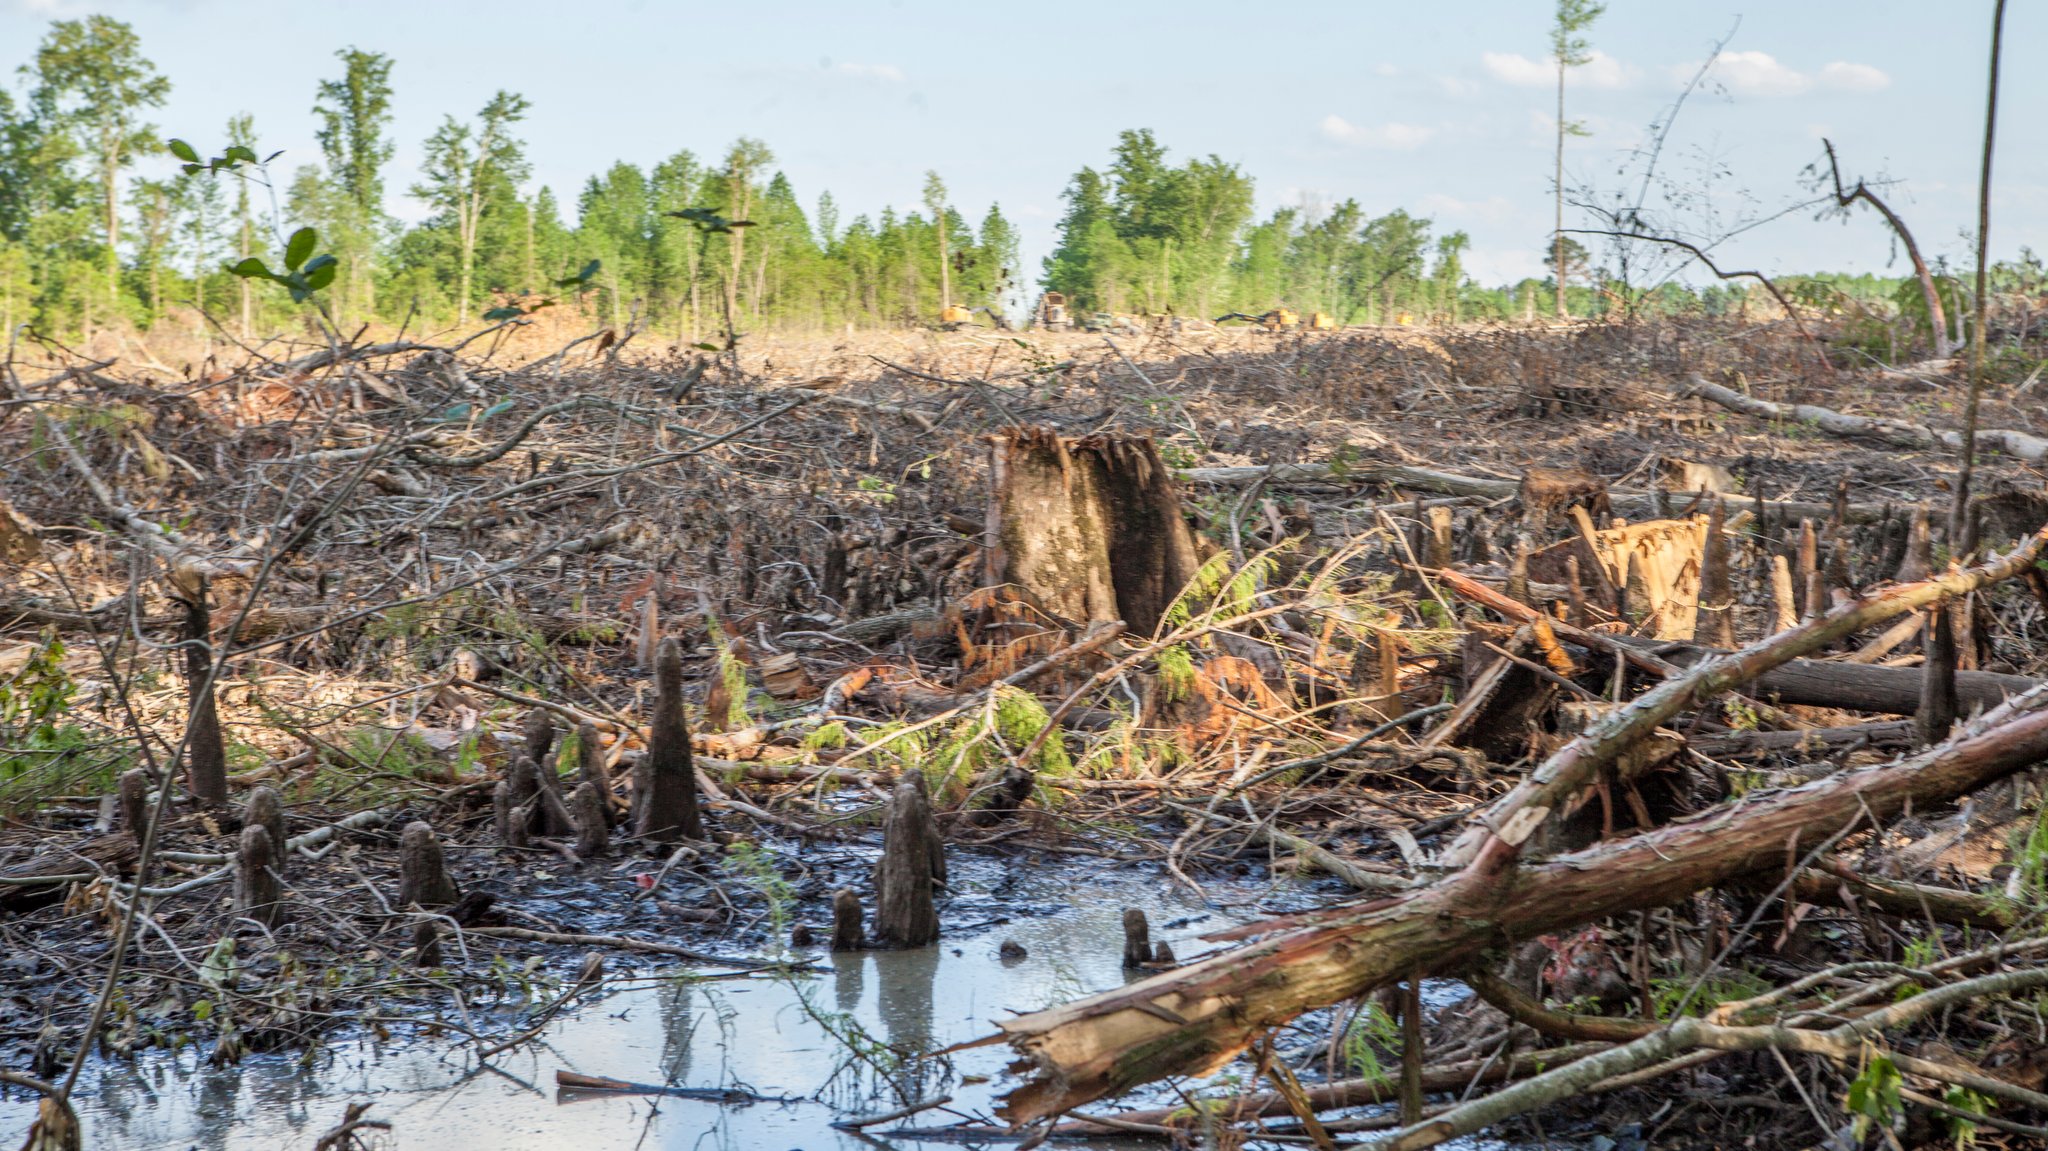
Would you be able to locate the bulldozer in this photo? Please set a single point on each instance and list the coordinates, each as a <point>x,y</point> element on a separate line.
<point>1052,312</point>
<point>957,316</point>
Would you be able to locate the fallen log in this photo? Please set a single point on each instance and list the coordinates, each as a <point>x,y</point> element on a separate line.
<point>1632,505</point>
<point>1861,686</point>
<point>1194,1020</point>
<point>2030,448</point>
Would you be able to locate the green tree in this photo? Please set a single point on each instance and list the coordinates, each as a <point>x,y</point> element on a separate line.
<point>465,164</point>
<point>242,134</point>
<point>935,203</point>
<point>742,163</point>
<point>354,113</point>
<point>1571,50</point>
<point>91,75</point>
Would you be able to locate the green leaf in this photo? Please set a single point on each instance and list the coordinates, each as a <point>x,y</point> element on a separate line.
<point>322,275</point>
<point>503,314</point>
<point>299,247</point>
<point>202,1010</point>
<point>707,347</point>
<point>182,151</point>
<point>239,153</point>
<point>249,267</point>
<point>193,169</point>
<point>497,409</point>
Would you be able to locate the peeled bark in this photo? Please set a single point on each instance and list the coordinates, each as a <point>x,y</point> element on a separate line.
<point>665,781</point>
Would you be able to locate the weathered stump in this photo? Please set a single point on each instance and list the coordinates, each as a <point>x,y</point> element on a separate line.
<point>1137,939</point>
<point>206,754</point>
<point>1937,714</point>
<point>590,769</point>
<point>135,801</point>
<point>846,916</point>
<point>422,872</point>
<point>539,732</point>
<point>913,861</point>
<point>665,780</point>
<point>258,894</point>
<point>266,809</point>
<point>593,835</point>
<point>426,943</point>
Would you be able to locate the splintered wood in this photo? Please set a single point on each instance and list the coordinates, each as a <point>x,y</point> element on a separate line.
<point>1661,560</point>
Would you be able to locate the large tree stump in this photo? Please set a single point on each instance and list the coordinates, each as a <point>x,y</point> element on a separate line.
<point>206,754</point>
<point>1092,527</point>
<point>665,780</point>
<point>258,893</point>
<point>422,872</point>
<point>913,861</point>
<point>266,809</point>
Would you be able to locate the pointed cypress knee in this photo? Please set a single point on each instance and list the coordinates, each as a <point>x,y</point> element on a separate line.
<point>422,873</point>
<point>206,754</point>
<point>1137,939</point>
<point>590,769</point>
<point>265,808</point>
<point>508,815</point>
<point>539,732</point>
<point>846,916</point>
<point>913,860</point>
<point>1937,714</point>
<point>258,894</point>
<point>669,811</point>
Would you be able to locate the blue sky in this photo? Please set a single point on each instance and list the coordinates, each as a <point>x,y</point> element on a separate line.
<point>1443,109</point>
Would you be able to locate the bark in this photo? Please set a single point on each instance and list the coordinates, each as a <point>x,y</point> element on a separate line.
<point>1937,713</point>
<point>665,792</point>
<point>912,862</point>
<point>1137,939</point>
<point>1092,527</point>
<point>258,894</point>
<point>1717,598</point>
<point>1194,1020</point>
<point>134,800</point>
<point>847,934</point>
<point>593,834</point>
<point>590,770</point>
<point>539,732</point>
<point>422,872</point>
<point>1862,686</point>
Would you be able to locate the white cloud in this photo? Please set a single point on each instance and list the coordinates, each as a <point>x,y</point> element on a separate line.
<point>1846,77</point>
<point>887,73</point>
<point>1391,134</point>
<point>1759,74</point>
<point>1599,71</point>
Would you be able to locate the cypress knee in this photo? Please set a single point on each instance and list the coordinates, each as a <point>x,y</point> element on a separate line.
<point>669,810</point>
<point>267,809</point>
<point>509,816</point>
<point>539,731</point>
<point>590,769</point>
<point>422,873</point>
<point>258,895</point>
<point>913,860</point>
<point>206,755</point>
<point>135,802</point>
<point>1137,939</point>
<point>846,915</point>
<point>592,833</point>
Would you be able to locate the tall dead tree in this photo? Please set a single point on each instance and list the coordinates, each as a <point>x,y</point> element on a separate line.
<point>1091,526</point>
<point>1937,316</point>
<point>665,780</point>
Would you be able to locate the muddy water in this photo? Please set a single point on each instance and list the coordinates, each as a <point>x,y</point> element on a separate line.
<point>762,1034</point>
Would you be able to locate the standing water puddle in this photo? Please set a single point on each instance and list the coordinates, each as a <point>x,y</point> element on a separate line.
<point>757,1034</point>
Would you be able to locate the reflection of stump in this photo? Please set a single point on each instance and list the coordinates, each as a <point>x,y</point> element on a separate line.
<point>1137,939</point>
<point>913,859</point>
<point>665,781</point>
<point>846,916</point>
<point>1092,527</point>
<point>266,809</point>
<point>422,873</point>
<point>258,895</point>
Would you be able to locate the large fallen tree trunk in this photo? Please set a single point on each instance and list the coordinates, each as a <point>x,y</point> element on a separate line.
<point>2032,449</point>
<point>1861,686</point>
<point>1194,1020</point>
<point>1633,505</point>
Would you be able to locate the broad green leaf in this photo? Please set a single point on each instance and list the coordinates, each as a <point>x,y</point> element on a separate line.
<point>503,314</point>
<point>299,247</point>
<point>182,151</point>
<point>238,152</point>
<point>707,347</point>
<point>497,409</point>
<point>320,277</point>
<point>249,267</point>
